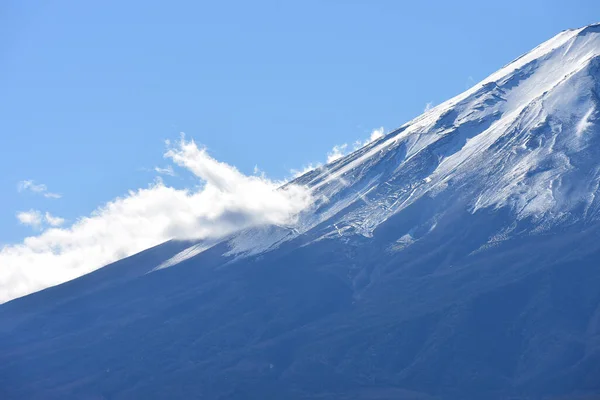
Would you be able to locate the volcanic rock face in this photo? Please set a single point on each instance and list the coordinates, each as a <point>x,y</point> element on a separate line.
<point>458,257</point>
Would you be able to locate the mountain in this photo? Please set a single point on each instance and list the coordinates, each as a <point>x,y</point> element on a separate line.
<point>458,257</point>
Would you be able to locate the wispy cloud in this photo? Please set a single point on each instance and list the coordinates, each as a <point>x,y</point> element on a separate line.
<point>53,220</point>
<point>31,218</point>
<point>39,188</point>
<point>226,202</point>
<point>307,168</point>
<point>375,135</point>
<point>470,82</point>
<point>168,170</point>
<point>36,219</point>
<point>31,185</point>
<point>428,106</point>
<point>340,150</point>
<point>337,152</point>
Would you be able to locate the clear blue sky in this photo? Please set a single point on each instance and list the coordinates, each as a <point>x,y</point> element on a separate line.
<point>90,90</point>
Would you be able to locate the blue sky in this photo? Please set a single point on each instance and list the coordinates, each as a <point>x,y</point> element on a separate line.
<point>91,90</point>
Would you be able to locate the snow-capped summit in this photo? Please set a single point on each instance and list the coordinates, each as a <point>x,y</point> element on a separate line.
<point>525,138</point>
<point>454,258</point>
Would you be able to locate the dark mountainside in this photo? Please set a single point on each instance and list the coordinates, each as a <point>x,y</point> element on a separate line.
<point>458,257</point>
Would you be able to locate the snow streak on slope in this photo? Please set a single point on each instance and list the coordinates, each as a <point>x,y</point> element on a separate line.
<point>516,139</point>
<point>525,138</point>
<point>456,258</point>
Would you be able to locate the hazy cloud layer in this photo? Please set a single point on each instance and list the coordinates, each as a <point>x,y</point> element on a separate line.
<point>226,201</point>
<point>39,188</point>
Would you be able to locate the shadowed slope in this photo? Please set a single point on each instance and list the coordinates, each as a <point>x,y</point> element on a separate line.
<point>455,258</point>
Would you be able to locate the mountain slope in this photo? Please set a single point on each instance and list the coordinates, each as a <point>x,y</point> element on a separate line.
<point>455,258</point>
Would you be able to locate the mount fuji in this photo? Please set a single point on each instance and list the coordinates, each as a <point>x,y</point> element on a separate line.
<point>457,257</point>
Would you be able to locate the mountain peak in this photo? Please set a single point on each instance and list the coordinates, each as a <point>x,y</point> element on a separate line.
<point>456,257</point>
<point>589,28</point>
<point>518,139</point>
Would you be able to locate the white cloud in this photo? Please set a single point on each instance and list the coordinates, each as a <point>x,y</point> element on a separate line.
<point>375,134</point>
<point>428,106</point>
<point>31,185</point>
<point>35,219</point>
<point>40,188</point>
<point>259,172</point>
<point>227,201</point>
<point>299,172</point>
<point>337,152</point>
<point>341,150</point>
<point>31,218</point>
<point>168,170</point>
<point>53,220</point>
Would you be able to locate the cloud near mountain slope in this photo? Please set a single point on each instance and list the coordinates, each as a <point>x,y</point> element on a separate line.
<point>226,201</point>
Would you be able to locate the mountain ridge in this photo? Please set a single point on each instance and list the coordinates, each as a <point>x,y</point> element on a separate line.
<point>454,258</point>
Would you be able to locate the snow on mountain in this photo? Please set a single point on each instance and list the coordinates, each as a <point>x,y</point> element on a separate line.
<point>515,139</point>
<point>522,138</point>
<point>454,258</point>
